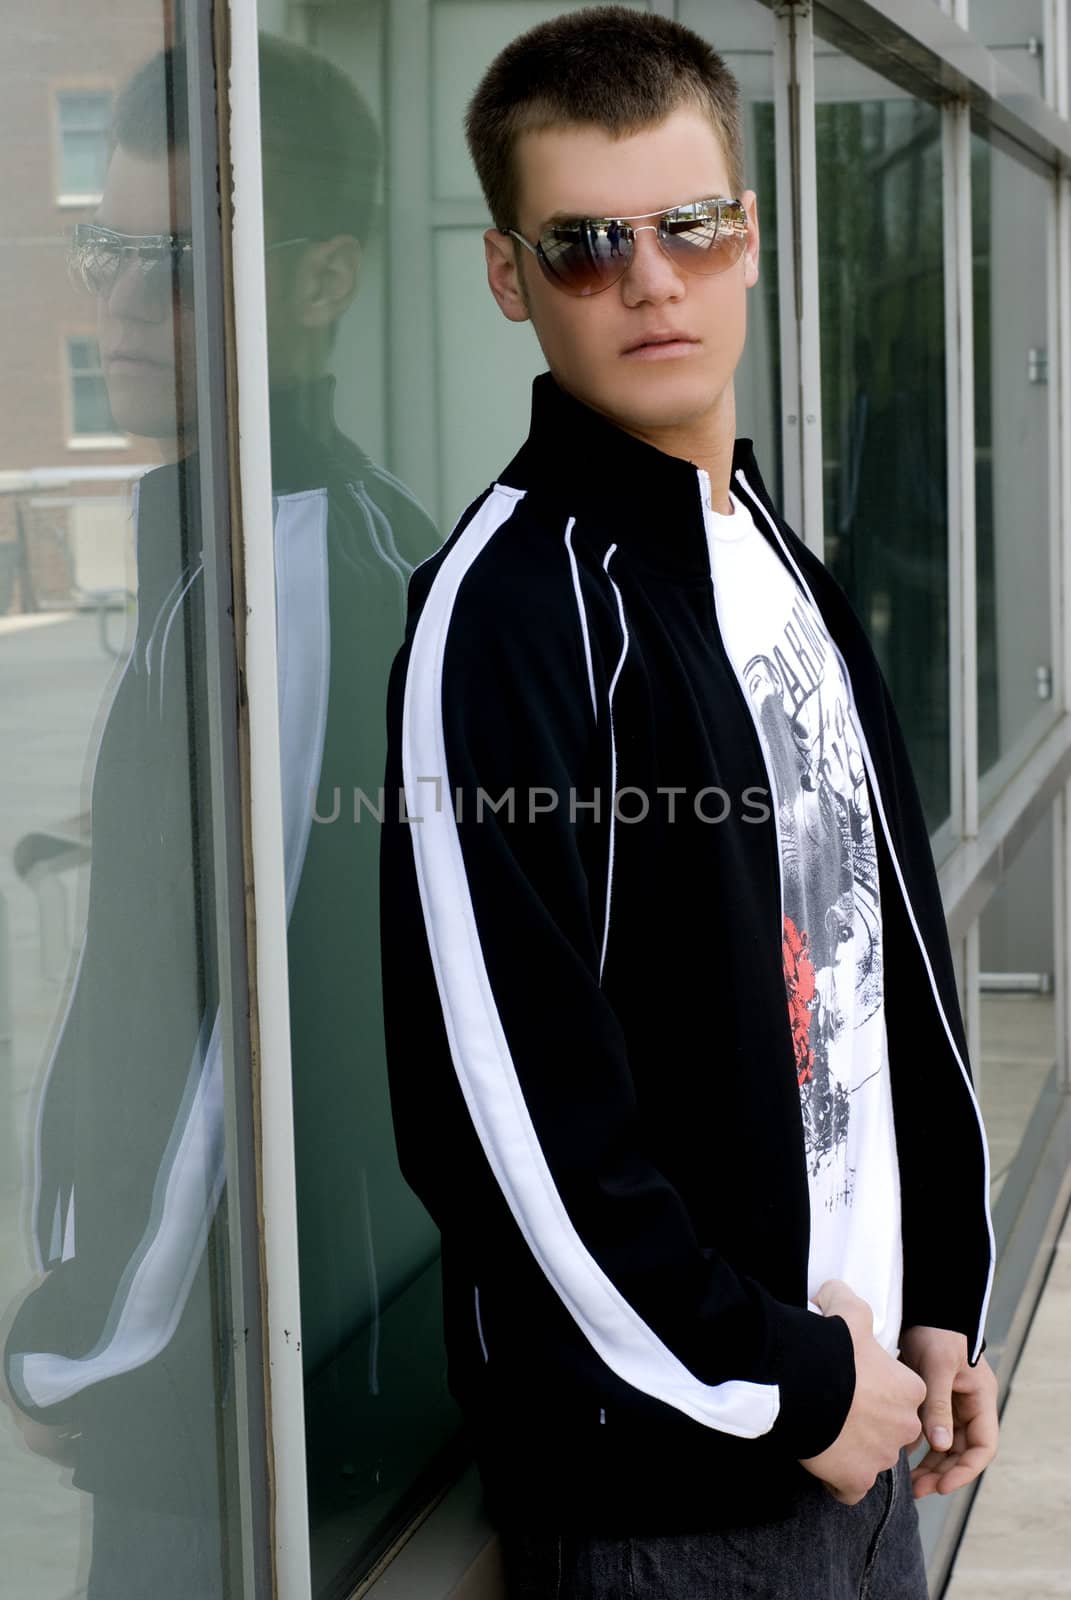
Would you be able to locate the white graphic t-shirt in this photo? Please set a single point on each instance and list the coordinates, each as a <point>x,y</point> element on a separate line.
<point>831,913</point>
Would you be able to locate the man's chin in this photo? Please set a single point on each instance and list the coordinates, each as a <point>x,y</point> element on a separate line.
<point>143,408</point>
<point>668,401</point>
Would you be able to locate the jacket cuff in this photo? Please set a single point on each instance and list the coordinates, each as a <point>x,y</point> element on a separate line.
<point>938,1315</point>
<point>817,1382</point>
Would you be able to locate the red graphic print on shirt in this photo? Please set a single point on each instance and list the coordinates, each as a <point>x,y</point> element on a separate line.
<point>799,981</point>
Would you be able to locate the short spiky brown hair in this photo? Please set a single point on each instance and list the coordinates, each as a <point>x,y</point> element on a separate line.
<point>618,69</point>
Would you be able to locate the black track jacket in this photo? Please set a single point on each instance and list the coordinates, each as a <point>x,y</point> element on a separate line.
<point>588,1038</point>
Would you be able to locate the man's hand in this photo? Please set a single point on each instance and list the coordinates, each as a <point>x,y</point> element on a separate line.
<point>10,1312</point>
<point>55,1444</point>
<point>959,1414</point>
<point>884,1414</point>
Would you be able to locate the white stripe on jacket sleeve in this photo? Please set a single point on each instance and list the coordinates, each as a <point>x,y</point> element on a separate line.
<point>481,1052</point>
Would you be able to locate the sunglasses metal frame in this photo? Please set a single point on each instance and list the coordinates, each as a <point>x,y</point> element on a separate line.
<point>150,250</point>
<point>662,214</point>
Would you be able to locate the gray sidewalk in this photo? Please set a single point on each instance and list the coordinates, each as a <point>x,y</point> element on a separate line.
<point>1017,1542</point>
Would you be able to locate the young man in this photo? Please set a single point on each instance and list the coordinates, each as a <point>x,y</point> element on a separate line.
<point>677,1056</point>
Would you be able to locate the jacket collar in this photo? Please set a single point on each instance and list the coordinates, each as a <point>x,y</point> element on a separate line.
<point>649,501</point>
<point>308,450</point>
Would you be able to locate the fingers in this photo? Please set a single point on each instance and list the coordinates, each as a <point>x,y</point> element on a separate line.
<point>828,1291</point>
<point>951,1472</point>
<point>974,1445</point>
<point>936,1413</point>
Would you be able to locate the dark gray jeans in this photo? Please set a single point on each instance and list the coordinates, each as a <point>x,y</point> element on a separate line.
<point>825,1550</point>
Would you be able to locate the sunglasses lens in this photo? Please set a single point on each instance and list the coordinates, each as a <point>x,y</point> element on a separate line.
<point>705,239</point>
<point>96,260</point>
<point>90,266</point>
<point>584,257</point>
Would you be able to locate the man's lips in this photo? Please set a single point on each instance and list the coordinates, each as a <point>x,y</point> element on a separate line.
<point>129,358</point>
<point>667,338</point>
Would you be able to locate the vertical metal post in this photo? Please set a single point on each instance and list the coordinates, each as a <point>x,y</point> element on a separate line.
<point>1059,62</point>
<point>243,1287</point>
<point>1061,876</point>
<point>1056,318</point>
<point>788,286</point>
<point>270,997</point>
<point>959,388</point>
<point>412,372</point>
<point>954,446</point>
<point>797,213</point>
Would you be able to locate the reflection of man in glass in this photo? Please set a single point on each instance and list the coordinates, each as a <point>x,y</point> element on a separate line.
<point>117,1361</point>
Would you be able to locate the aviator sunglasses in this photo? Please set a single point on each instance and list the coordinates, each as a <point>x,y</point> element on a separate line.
<point>584,255</point>
<point>97,256</point>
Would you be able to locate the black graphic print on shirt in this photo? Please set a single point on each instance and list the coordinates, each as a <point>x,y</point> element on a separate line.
<point>831,914</point>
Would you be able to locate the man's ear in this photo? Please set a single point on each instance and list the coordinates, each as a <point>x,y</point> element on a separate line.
<point>751,252</point>
<point>504,276</point>
<point>326,280</point>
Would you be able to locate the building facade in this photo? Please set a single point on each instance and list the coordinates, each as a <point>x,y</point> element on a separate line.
<point>253,375</point>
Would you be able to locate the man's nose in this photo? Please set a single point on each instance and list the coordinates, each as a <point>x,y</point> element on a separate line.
<point>651,274</point>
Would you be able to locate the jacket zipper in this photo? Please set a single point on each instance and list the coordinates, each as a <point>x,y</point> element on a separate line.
<point>704,494</point>
<point>872,775</point>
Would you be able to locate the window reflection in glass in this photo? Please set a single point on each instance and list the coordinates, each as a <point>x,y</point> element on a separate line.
<point>118,1441</point>
<point>883,390</point>
<point>84,123</point>
<point>1017,1006</point>
<point>91,411</point>
<point>1010,214</point>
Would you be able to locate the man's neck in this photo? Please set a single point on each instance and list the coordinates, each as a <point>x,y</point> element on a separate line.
<point>706,442</point>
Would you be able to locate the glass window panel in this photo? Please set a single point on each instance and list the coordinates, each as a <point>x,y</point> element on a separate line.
<point>883,390</point>
<point>90,410</point>
<point>84,120</point>
<point>119,1453</point>
<point>380,1426</point>
<point>1015,34</point>
<point>379,1423</point>
<point>743,33</point>
<point>1017,1007</point>
<point>466,36</point>
<point>84,355</point>
<point>1010,210</point>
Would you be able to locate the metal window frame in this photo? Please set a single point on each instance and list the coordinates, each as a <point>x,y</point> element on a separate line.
<point>280,1308</point>
<point>797,213</point>
<point>205,45</point>
<point>959,395</point>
